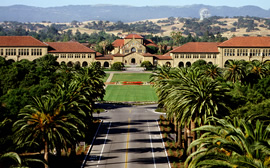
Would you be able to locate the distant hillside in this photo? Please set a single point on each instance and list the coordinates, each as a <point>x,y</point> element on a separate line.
<point>227,27</point>
<point>115,13</point>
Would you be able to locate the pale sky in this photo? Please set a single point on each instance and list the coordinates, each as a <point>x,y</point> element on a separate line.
<point>265,4</point>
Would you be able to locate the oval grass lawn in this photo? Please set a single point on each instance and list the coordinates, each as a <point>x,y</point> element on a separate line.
<point>133,93</point>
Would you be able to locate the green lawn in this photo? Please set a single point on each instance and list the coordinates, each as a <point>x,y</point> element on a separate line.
<point>120,77</point>
<point>134,93</point>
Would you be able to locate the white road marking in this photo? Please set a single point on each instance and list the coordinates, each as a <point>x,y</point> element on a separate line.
<point>104,143</point>
<point>164,145</point>
<point>150,137</point>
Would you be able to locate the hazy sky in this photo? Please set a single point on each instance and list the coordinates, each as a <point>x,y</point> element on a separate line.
<point>51,3</point>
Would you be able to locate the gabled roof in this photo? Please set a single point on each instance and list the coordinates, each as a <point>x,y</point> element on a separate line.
<point>20,41</point>
<point>68,47</point>
<point>163,57</point>
<point>197,47</point>
<point>135,36</point>
<point>149,42</point>
<point>118,43</point>
<point>247,42</point>
<point>118,55</point>
<point>104,57</point>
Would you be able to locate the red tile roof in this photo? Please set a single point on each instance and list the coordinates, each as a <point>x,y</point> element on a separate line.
<point>197,47</point>
<point>118,43</point>
<point>131,36</point>
<point>20,41</point>
<point>149,42</point>
<point>118,55</point>
<point>163,57</point>
<point>247,42</point>
<point>68,47</point>
<point>106,57</point>
<point>148,55</point>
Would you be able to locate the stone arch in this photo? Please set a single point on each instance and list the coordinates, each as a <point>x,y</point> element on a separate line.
<point>10,61</point>
<point>256,60</point>
<point>84,64</point>
<point>78,63</point>
<point>63,63</point>
<point>188,64</point>
<point>181,64</point>
<point>226,62</point>
<point>70,64</point>
<point>106,64</point>
<point>210,63</point>
<point>266,62</point>
<point>133,61</point>
<point>133,49</point>
<point>98,63</point>
<point>168,64</point>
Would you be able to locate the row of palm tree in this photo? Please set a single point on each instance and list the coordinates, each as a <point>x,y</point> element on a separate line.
<point>59,119</point>
<point>191,95</point>
<point>233,142</point>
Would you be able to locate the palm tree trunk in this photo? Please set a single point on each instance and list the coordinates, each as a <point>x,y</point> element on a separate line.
<point>175,123</point>
<point>185,136</point>
<point>193,133</point>
<point>179,136</point>
<point>46,154</point>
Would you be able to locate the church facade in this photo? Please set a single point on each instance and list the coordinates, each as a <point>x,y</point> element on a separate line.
<point>132,50</point>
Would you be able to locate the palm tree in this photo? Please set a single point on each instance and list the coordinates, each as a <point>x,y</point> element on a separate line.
<point>51,120</point>
<point>195,98</point>
<point>235,70</point>
<point>212,71</point>
<point>232,143</point>
<point>257,68</point>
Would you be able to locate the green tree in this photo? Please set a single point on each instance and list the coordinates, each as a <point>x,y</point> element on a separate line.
<point>232,143</point>
<point>117,66</point>
<point>147,64</point>
<point>235,71</point>
<point>51,120</point>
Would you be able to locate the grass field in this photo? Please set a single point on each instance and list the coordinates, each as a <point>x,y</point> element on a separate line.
<point>134,93</point>
<point>120,77</point>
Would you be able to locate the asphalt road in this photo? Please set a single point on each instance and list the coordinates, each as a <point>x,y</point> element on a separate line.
<point>128,138</point>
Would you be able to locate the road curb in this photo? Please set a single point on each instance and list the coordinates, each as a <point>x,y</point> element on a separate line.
<point>89,150</point>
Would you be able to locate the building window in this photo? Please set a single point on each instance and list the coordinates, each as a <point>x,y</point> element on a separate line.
<point>209,56</point>
<point>2,52</point>
<point>77,56</point>
<point>188,56</point>
<point>182,56</point>
<point>203,56</point>
<point>83,56</point>
<point>89,55</point>
<point>232,52</point>
<point>266,52</point>
<point>7,52</point>
<point>214,56</point>
<point>176,56</point>
<point>195,56</point>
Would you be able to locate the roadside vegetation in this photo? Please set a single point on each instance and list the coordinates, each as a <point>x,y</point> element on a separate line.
<point>219,117</point>
<point>46,109</point>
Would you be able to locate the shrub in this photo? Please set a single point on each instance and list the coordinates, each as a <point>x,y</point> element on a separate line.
<point>117,66</point>
<point>147,64</point>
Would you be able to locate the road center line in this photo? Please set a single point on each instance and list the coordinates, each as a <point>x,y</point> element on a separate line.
<point>104,143</point>
<point>150,137</point>
<point>126,161</point>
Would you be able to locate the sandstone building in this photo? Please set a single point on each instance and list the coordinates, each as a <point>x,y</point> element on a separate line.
<point>133,50</point>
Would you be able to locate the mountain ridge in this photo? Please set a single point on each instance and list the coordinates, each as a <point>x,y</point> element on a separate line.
<point>125,13</point>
